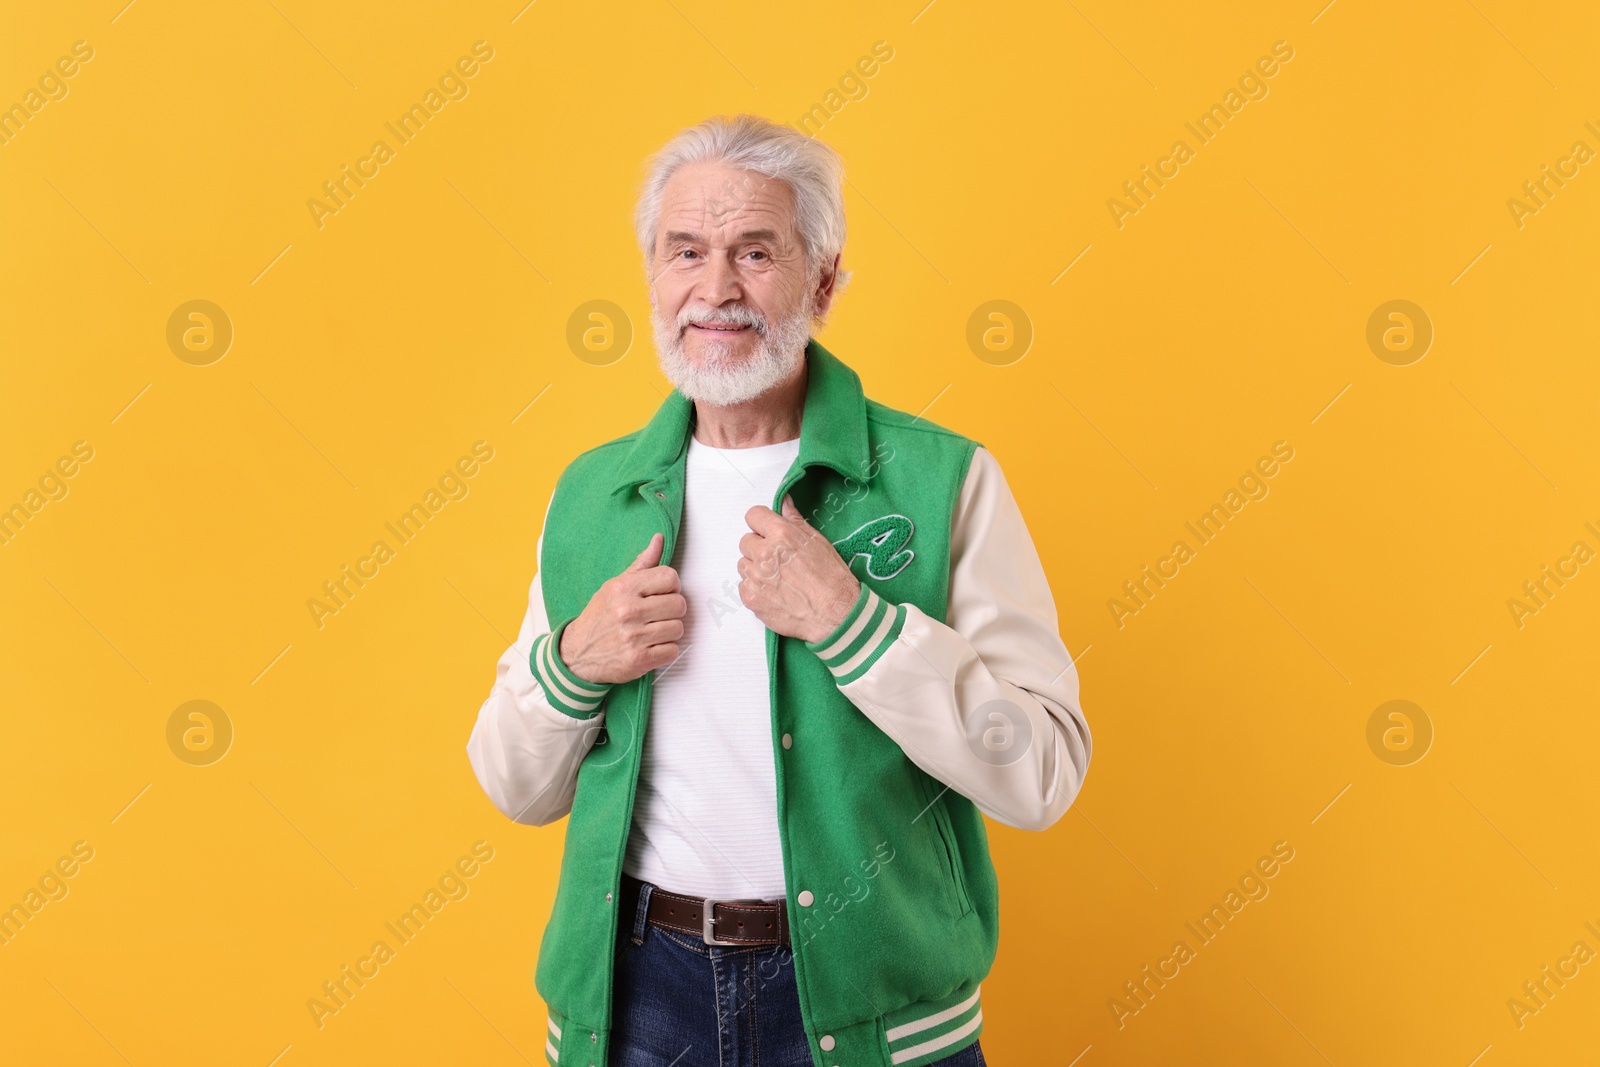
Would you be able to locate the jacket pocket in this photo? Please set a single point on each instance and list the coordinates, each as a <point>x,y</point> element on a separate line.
<point>945,832</point>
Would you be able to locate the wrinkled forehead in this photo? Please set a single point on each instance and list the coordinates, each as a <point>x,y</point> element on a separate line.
<point>718,202</point>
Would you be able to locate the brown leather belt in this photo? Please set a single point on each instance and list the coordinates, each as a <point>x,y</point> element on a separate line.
<point>716,922</point>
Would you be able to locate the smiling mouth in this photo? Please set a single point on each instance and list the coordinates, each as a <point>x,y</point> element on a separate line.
<point>715,327</point>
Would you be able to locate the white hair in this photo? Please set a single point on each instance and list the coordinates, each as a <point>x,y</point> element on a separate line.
<point>813,171</point>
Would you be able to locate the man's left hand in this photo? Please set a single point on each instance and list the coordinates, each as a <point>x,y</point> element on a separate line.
<point>792,578</point>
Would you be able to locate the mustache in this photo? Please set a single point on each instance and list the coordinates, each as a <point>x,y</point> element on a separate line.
<point>737,315</point>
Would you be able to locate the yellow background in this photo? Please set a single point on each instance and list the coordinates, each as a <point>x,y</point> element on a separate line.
<point>1223,317</point>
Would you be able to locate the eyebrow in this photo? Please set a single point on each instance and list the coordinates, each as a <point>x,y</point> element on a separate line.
<point>747,235</point>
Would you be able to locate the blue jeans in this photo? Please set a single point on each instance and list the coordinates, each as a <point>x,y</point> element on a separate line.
<point>680,1002</point>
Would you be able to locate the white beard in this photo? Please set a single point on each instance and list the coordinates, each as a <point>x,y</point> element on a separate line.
<point>718,381</point>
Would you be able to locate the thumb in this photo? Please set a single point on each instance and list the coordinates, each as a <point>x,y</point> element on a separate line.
<point>789,510</point>
<point>651,554</point>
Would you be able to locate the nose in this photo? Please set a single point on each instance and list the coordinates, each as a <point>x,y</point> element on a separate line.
<point>719,282</point>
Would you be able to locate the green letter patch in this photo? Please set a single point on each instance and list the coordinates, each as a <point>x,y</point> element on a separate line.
<point>883,542</point>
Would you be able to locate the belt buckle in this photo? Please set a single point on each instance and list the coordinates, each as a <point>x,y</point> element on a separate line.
<point>706,907</point>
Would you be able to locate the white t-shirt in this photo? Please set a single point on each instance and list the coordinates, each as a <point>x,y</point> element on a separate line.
<point>705,814</point>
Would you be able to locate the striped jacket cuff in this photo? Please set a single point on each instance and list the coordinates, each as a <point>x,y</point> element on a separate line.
<point>566,692</point>
<point>864,635</point>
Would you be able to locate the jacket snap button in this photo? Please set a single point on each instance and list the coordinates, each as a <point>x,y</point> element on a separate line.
<point>594,1037</point>
<point>608,898</point>
<point>663,496</point>
<point>805,898</point>
<point>826,1042</point>
<point>788,742</point>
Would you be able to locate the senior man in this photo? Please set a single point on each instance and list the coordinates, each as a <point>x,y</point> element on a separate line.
<point>784,648</point>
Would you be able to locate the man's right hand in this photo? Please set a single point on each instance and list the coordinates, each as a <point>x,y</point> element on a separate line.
<point>631,625</point>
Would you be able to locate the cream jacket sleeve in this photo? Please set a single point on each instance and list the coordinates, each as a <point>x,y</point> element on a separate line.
<point>534,729</point>
<point>985,700</point>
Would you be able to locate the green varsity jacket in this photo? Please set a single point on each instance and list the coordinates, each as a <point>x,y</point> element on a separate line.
<point>893,903</point>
